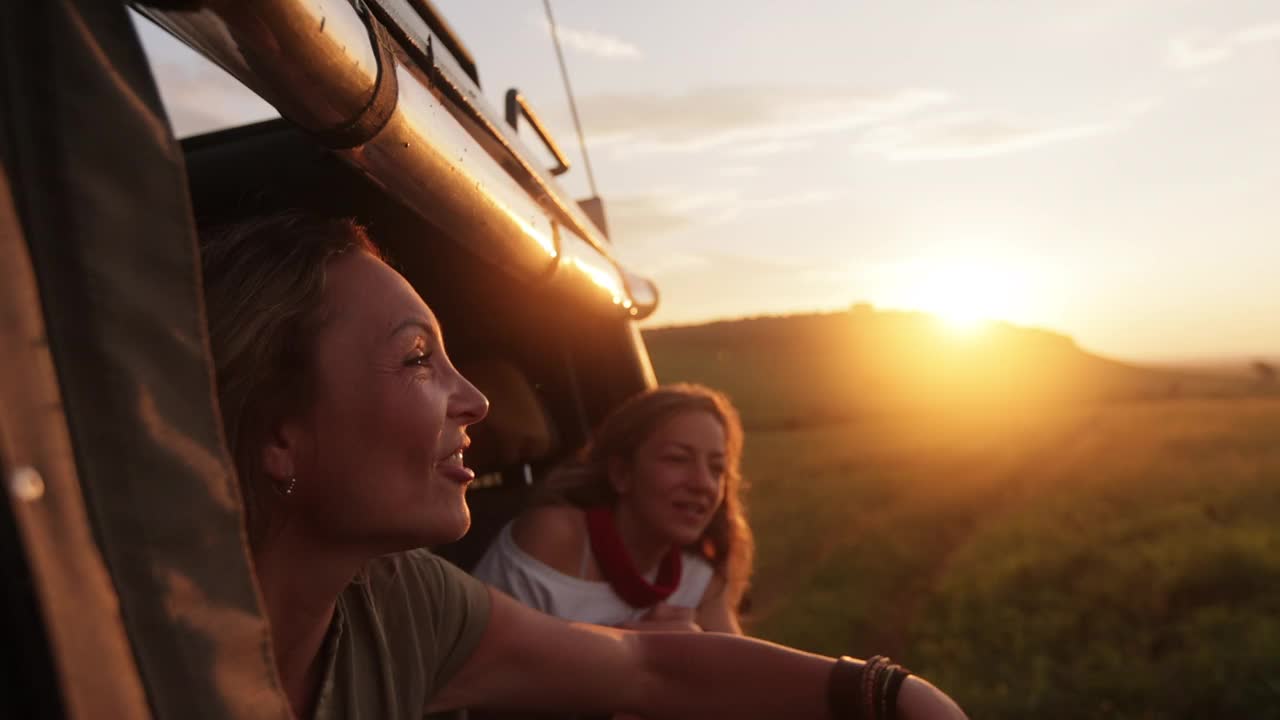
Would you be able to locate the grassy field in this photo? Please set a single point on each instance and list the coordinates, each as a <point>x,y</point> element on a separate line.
<point>1111,552</point>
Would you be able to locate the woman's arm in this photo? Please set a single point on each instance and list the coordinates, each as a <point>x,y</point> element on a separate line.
<point>528,660</point>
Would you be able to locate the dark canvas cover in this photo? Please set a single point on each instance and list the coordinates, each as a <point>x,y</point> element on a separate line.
<point>106,391</point>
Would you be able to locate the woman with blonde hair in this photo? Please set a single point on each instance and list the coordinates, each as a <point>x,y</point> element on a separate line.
<point>645,528</point>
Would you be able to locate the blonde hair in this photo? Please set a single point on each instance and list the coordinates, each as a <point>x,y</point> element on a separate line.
<point>727,542</point>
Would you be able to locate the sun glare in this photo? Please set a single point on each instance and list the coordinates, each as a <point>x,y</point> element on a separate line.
<point>965,296</point>
<point>961,319</point>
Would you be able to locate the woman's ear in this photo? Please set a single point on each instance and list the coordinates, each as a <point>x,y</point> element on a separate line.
<point>278,454</point>
<point>620,475</point>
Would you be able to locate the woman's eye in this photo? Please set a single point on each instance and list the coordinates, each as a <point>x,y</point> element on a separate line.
<point>421,360</point>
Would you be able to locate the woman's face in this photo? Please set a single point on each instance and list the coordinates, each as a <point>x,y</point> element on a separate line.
<point>378,454</point>
<point>676,480</point>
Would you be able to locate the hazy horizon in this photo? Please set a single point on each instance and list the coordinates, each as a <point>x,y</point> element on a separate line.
<point>1104,169</point>
<point>1204,361</point>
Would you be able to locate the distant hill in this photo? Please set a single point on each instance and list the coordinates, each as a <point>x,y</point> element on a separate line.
<point>1238,366</point>
<point>796,370</point>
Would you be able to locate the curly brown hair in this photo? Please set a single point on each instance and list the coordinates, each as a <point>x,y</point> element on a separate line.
<point>727,542</point>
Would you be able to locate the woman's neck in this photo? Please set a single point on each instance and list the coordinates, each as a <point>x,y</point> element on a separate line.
<point>645,549</point>
<point>300,588</point>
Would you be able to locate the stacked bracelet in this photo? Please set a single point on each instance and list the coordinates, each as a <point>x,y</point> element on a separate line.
<point>865,691</point>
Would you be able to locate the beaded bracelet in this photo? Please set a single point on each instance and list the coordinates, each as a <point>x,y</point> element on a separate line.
<point>865,691</point>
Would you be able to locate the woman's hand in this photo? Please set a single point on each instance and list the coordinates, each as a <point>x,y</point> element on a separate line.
<point>665,617</point>
<point>920,700</point>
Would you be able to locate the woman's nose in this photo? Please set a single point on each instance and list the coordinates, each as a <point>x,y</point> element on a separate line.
<point>708,479</point>
<point>469,404</point>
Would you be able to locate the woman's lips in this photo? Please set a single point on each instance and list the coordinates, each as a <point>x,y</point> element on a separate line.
<point>691,512</point>
<point>454,468</point>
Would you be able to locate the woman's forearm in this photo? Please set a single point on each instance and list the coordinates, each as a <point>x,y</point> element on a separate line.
<point>698,675</point>
<point>528,660</point>
<point>719,675</point>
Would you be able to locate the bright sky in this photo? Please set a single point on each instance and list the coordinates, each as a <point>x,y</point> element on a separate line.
<point>1109,169</point>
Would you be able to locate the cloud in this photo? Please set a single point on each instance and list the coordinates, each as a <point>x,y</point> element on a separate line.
<point>1269,32</point>
<point>1186,53</point>
<point>732,269</point>
<point>654,264</point>
<point>740,171</point>
<point>772,147</point>
<point>982,134</point>
<point>597,44</point>
<point>797,199</point>
<point>651,217</point>
<point>745,120</point>
<point>740,263</point>
<point>1201,49</point>
<point>967,136</point>
<point>639,218</point>
<point>697,287</point>
<point>198,96</point>
<point>750,123</point>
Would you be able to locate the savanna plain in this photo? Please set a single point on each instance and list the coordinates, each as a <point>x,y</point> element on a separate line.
<point>1041,531</point>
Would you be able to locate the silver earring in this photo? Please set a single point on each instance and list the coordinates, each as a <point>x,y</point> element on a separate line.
<point>287,490</point>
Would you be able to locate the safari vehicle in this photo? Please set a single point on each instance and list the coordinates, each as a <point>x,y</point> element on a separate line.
<point>127,586</point>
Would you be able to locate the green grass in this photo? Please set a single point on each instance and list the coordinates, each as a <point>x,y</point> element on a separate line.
<point>1108,558</point>
<point>1118,562</point>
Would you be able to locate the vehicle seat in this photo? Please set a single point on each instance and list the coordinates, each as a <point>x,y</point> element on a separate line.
<point>509,448</point>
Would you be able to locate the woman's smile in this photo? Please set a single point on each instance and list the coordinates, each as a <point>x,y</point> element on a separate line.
<point>693,513</point>
<point>454,467</point>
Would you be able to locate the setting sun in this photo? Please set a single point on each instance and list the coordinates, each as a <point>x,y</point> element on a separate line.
<point>965,295</point>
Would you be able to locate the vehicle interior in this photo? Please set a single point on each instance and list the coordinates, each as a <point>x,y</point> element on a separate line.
<point>127,588</point>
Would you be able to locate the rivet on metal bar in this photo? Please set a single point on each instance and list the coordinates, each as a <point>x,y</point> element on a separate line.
<point>26,484</point>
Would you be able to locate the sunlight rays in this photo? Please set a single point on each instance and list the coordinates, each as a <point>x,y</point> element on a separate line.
<point>966,294</point>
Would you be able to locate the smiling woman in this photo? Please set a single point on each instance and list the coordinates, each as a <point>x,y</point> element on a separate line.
<point>349,320</point>
<point>646,528</point>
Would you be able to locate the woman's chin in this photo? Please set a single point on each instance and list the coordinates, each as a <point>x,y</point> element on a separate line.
<point>458,534</point>
<point>453,529</point>
<point>439,531</point>
<point>684,537</point>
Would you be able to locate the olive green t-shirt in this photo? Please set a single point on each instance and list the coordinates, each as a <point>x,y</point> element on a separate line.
<point>397,637</point>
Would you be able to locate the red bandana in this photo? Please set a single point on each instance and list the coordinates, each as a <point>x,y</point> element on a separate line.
<point>618,569</point>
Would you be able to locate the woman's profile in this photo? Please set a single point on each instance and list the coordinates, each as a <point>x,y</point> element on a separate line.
<point>645,528</point>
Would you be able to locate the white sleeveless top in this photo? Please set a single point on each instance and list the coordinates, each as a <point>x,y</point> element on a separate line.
<point>540,586</point>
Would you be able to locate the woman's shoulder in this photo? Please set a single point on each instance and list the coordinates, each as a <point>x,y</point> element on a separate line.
<point>552,534</point>
<point>415,571</point>
<point>696,575</point>
<point>408,610</point>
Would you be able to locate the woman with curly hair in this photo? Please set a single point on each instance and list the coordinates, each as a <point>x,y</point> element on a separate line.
<point>645,528</point>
